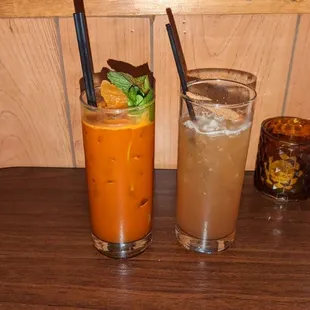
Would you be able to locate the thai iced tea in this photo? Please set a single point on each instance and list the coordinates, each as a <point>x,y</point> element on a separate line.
<point>211,163</point>
<point>119,156</point>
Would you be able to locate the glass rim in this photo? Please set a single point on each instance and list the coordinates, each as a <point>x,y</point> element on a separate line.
<point>207,103</point>
<point>109,110</point>
<point>275,137</point>
<point>223,69</point>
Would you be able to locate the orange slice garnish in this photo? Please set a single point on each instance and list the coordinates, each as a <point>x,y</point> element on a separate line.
<point>113,96</point>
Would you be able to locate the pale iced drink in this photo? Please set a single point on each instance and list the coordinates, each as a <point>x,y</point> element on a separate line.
<point>211,163</point>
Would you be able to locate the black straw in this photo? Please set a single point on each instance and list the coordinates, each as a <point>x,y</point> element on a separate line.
<point>85,56</point>
<point>176,38</point>
<point>80,8</point>
<point>180,71</point>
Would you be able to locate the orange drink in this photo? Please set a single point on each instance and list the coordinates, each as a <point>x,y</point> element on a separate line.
<point>119,157</point>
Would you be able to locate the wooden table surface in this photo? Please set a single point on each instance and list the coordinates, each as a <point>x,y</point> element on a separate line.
<point>47,260</point>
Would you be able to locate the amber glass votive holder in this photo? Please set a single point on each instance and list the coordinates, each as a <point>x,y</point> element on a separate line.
<point>283,159</point>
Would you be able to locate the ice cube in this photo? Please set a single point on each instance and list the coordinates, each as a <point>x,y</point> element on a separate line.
<point>232,125</point>
<point>214,124</point>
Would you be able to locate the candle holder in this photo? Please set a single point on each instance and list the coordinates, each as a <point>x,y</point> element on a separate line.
<point>283,159</point>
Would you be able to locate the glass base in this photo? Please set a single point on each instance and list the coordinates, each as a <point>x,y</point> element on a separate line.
<point>122,250</point>
<point>203,245</point>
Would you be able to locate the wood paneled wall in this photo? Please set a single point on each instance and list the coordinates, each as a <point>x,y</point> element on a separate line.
<point>40,72</point>
<point>64,8</point>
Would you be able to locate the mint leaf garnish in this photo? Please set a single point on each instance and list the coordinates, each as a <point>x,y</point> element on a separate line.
<point>131,103</point>
<point>132,93</point>
<point>121,80</point>
<point>138,90</point>
<point>143,83</point>
<point>148,98</point>
<point>139,99</point>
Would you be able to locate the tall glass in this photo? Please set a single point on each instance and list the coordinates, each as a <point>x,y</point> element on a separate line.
<point>211,162</point>
<point>119,157</point>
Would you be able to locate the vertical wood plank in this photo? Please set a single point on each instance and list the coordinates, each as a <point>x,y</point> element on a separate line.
<point>298,93</point>
<point>33,123</point>
<point>261,44</point>
<point>124,39</point>
<point>167,98</point>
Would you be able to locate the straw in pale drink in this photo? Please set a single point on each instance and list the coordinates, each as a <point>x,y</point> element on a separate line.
<point>211,161</point>
<point>210,177</point>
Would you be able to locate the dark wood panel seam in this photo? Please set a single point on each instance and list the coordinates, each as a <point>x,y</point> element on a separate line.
<point>289,73</point>
<point>65,91</point>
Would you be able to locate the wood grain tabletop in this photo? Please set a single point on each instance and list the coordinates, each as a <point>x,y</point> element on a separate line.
<point>47,260</point>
